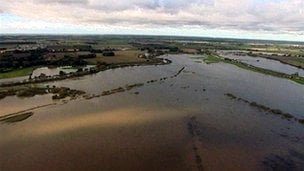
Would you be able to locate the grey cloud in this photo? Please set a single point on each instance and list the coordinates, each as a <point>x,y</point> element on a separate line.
<point>65,2</point>
<point>249,15</point>
<point>171,6</point>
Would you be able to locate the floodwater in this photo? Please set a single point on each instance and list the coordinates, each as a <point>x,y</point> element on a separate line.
<point>181,123</point>
<point>56,70</point>
<point>16,79</point>
<point>265,63</point>
<point>52,71</point>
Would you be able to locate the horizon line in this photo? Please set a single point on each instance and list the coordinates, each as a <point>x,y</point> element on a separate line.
<point>151,35</point>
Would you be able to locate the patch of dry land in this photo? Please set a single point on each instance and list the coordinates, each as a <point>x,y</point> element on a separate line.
<point>191,51</point>
<point>121,57</point>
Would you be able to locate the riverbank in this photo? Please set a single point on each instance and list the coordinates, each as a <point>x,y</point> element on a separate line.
<point>94,70</point>
<point>288,60</point>
<point>216,59</point>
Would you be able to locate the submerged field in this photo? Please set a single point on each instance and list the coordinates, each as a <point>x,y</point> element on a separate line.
<point>168,117</point>
<point>248,66</point>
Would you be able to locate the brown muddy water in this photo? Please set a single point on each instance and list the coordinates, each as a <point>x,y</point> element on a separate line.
<point>178,123</point>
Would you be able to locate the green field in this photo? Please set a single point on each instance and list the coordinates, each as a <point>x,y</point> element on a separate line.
<point>212,59</point>
<point>17,73</point>
<point>300,60</point>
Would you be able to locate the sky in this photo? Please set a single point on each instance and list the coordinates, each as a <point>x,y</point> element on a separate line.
<point>253,19</point>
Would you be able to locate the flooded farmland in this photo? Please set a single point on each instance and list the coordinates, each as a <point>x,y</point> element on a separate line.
<point>178,119</point>
<point>265,63</point>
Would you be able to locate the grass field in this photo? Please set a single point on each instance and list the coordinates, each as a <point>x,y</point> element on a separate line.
<point>120,57</point>
<point>113,42</point>
<point>300,60</point>
<point>192,51</point>
<point>212,59</point>
<point>17,73</point>
<point>114,46</point>
<point>279,49</point>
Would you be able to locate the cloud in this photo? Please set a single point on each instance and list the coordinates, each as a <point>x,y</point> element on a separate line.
<point>64,2</point>
<point>276,16</point>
